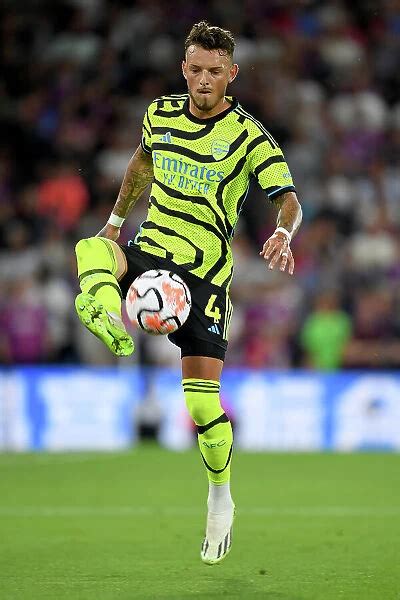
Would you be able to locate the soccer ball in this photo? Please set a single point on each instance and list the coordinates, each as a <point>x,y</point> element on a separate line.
<point>158,302</point>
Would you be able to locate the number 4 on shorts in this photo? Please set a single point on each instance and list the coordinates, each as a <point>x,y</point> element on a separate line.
<point>214,313</point>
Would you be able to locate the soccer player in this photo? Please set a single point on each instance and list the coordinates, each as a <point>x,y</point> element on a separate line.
<point>199,151</point>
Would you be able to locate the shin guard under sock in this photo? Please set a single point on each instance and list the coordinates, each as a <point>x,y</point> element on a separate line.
<point>214,429</point>
<point>97,266</point>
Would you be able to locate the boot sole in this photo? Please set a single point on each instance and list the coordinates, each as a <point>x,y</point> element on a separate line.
<point>94,317</point>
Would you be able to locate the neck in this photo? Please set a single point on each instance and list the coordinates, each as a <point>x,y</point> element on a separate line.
<point>222,105</point>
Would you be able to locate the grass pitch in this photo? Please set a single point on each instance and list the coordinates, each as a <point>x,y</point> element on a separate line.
<point>129,526</point>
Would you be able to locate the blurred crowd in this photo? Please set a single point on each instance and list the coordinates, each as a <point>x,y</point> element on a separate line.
<point>323,77</point>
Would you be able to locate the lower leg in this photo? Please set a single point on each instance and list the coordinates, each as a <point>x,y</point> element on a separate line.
<point>98,264</point>
<point>214,430</point>
<point>99,304</point>
<point>215,441</point>
<point>219,497</point>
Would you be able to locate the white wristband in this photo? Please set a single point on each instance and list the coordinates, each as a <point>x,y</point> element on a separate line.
<point>115,220</point>
<point>285,231</point>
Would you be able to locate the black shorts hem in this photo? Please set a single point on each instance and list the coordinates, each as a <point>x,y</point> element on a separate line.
<point>198,347</point>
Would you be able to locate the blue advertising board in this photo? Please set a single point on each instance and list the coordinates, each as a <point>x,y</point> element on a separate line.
<point>54,409</point>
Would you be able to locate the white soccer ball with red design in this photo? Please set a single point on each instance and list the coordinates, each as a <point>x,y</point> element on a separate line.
<point>158,302</point>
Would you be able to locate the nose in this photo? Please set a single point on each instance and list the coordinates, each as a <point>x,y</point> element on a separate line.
<point>204,78</point>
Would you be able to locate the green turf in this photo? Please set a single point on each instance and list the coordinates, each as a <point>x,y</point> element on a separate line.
<point>109,526</point>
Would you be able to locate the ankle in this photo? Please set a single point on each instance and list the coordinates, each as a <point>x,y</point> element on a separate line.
<point>219,498</point>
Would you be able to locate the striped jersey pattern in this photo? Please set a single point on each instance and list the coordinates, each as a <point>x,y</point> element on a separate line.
<point>202,171</point>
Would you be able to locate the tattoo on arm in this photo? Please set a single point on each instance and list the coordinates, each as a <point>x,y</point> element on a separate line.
<point>138,175</point>
<point>290,213</point>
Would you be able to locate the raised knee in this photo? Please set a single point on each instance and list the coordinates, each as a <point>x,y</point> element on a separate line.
<point>94,253</point>
<point>83,245</point>
<point>93,246</point>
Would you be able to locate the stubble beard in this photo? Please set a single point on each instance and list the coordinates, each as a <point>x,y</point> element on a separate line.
<point>205,105</point>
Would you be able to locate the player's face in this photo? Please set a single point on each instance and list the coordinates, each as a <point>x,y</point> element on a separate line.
<point>208,73</point>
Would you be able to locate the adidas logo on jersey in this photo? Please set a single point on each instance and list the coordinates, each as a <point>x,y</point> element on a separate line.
<point>167,137</point>
<point>214,329</point>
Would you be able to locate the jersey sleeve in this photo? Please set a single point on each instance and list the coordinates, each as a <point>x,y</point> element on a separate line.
<point>146,133</point>
<point>268,165</point>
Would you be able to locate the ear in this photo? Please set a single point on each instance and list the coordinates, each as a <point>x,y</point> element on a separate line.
<point>184,68</point>
<point>233,71</point>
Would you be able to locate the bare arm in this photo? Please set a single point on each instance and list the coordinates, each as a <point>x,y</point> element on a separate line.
<point>278,245</point>
<point>290,213</point>
<point>138,175</point>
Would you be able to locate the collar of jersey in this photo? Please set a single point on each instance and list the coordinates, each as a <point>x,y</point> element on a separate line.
<point>218,117</point>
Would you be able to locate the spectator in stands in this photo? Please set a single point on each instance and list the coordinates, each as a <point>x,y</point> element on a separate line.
<point>23,324</point>
<point>76,78</point>
<point>325,333</point>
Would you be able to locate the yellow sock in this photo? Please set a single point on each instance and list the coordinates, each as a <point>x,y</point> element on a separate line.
<point>214,430</point>
<point>97,266</point>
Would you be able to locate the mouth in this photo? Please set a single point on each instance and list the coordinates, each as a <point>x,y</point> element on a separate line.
<point>204,92</point>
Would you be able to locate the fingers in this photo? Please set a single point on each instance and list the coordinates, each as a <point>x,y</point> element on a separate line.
<point>291,264</point>
<point>280,254</point>
<point>276,256</point>
<point>271,246</point>
<point>287,260</point>
<point>284,260</point>
<point>267,249</point>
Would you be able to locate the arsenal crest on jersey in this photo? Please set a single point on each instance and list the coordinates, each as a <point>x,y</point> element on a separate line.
<point>219,149</point>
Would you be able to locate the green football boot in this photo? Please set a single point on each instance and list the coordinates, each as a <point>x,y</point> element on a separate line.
<point>110,330</point>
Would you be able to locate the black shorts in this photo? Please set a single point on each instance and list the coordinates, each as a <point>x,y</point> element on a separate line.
<point>205,333</point>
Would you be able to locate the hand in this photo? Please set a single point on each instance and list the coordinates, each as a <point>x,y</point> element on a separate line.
<point>110,232</point>
<point>277,247</point>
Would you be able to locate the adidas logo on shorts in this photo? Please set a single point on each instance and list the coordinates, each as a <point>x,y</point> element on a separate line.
<point>214,329</point>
